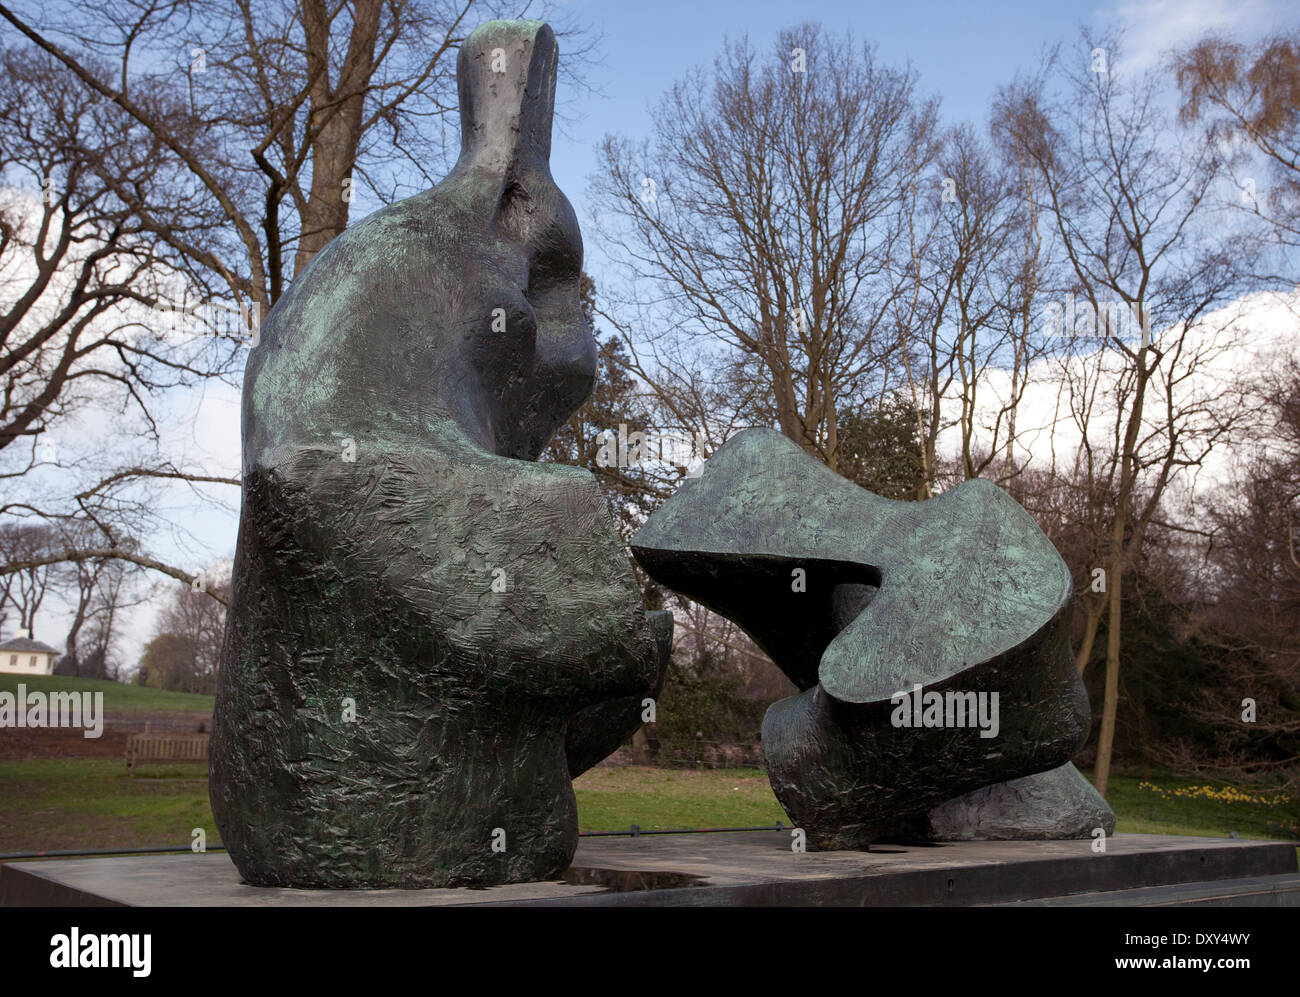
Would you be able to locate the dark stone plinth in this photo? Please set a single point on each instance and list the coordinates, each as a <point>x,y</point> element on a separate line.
<point>1250,891</point>
<point>732,869</point>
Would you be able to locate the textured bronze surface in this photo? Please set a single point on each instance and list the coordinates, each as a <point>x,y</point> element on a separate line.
<point>858,599</point>
<point>421,609</point>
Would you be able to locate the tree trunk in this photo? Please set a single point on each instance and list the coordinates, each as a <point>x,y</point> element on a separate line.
<point>336,114</point>
<point>1089,636</point>
<point>832,430</point>
<point>72,664</point>
<point>1110,702</point>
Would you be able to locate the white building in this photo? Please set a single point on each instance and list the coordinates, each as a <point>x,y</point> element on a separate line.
<point>25,656</point>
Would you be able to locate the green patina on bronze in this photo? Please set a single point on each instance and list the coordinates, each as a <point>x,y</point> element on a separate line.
<point>402,555</point>
<point>858,598</point>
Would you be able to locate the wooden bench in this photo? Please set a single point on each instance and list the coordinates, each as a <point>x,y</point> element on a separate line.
<point>150,747</point>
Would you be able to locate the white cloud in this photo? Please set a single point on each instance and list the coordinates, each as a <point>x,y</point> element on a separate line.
<point>1240,340</point>
<point>1154,27</point>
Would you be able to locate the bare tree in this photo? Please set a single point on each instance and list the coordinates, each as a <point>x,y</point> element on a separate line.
<point>79,274</point>
<point>760,220</point>
<point>96,647</point>
<point>190,158</point>
<point>25,590</point>
<point>1254,612</point>
<point>278,111</point>
<point>104,587</point>
<point>973,277</point>
<point>1132,205</point>
<point>184,654</point>
<point>1247,98</point>
<point>73,260</point>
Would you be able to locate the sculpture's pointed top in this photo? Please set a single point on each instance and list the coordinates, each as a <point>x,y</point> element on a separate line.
<point>506,76</point>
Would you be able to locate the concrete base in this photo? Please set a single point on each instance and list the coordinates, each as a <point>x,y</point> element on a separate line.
<point>745,869</point>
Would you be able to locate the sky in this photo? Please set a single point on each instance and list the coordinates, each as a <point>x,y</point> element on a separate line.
<point>962,51</point>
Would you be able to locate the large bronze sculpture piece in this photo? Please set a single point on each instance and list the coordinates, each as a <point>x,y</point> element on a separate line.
<point>929,639</point>
<point>429,632</point>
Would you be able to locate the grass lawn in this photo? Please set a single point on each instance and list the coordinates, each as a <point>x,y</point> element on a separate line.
<point>613,799</point>
<point>118,697</point>
<point>92,803</point>
<point>1165,804</point>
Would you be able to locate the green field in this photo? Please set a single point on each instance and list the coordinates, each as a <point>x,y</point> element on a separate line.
<point>92,803</point>
<point>1168,805</point>
<point>611,799</point>
<point>118,697</point>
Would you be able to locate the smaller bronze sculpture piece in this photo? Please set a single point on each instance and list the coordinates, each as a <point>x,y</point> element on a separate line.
<point>930,640</point>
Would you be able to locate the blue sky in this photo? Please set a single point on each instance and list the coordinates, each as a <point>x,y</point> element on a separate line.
<point>962,51</point>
